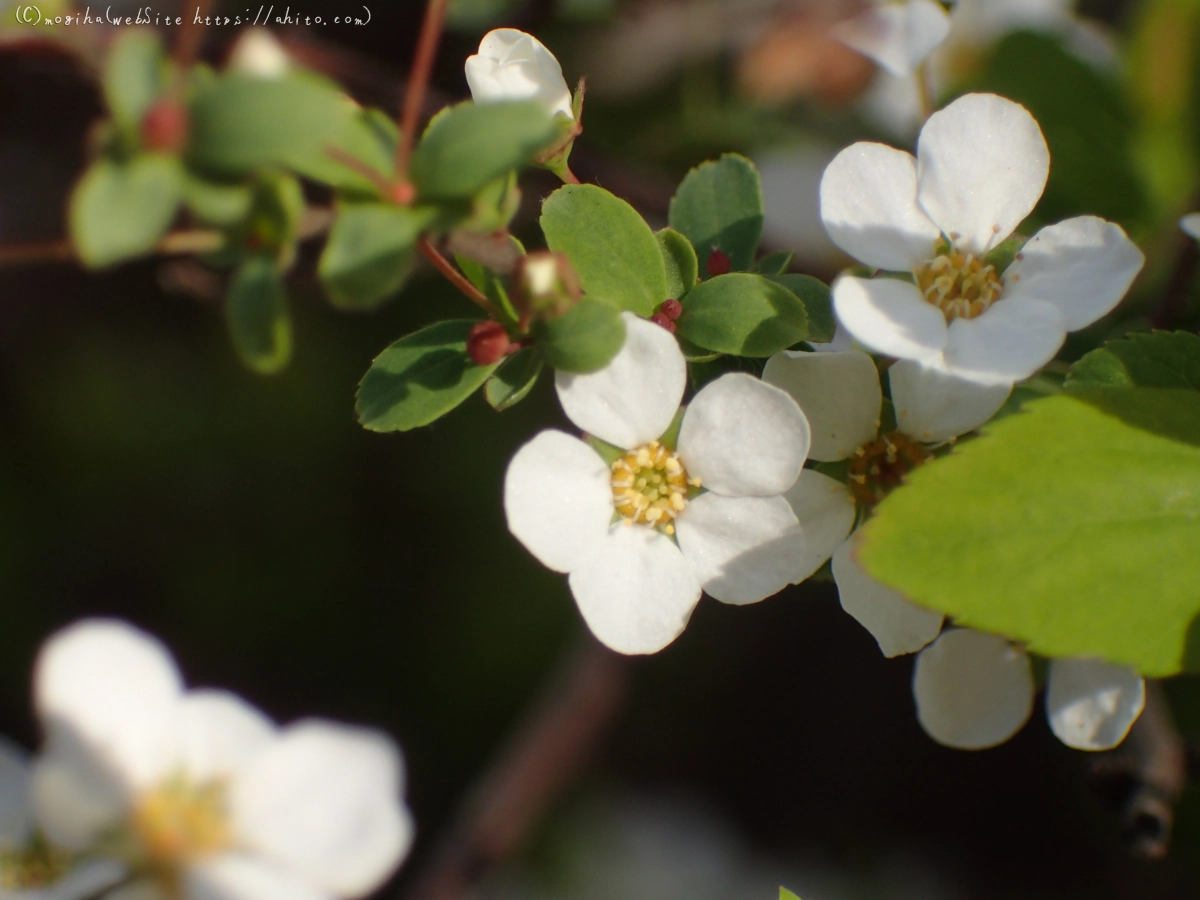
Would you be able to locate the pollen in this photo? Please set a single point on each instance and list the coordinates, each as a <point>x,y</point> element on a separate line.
<point>878,467</point>
<point>181,820</point>
<point>961,285</point>
<point>650,487</point>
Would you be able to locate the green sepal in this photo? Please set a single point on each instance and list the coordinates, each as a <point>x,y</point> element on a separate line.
<point>120,210</point>
<point>1002,255</point>
<point>670,437</point>
<point>512,382</point>
<point>584,339</point>
<point>610,453</point>
<point>743,315</point>
<point>419,378</point>
<point>256,312</point>
<point>719,206</point>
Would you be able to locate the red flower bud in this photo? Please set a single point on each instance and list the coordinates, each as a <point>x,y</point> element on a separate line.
<point>165,126</point>
<point>488,343</point>
<point>718,263</point>
<point>659,319</point>
<point>672,309</point>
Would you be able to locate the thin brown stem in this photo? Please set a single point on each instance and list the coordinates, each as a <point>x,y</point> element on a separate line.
<point>191,35</point>
<point>569,177</point>
<point>177,242</point>
<point>548,749</point>
<point>418,81</point>
<point>456,277</point>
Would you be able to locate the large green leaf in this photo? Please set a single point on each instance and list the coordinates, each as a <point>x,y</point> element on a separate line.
<point>609,244</point>
<point>679,258</point>
<point>818,303</point>
<point>419,378</point>
<point>121,210</point>
<point>742,314</point>
<point>584,339</point>
<point>472,144</point>
<point>1162,359</point>
<point>134,75</point>
<point>1072,526</point>
<point>370,252</point>
<point>240,123</point>
<point>257,314</point>
<point>719,206</point>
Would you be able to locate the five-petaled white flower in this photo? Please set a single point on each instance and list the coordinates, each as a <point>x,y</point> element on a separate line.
<point>980,168</point>
<point>637,539</point>
<point>897,34</point>
<point>975,690</point>
<point>197,793</point>
<point>513,65</point>
<point>840,395</point>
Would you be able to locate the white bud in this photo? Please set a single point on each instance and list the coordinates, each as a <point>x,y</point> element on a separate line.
<point>513,65</point>
<point>259,53</point>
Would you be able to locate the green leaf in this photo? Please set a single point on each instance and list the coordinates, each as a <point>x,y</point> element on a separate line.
<point>680,260</point>
<point>818,303</point>
<point>610,245</point>
<point>240,123</point>
<point>776,263</point>
<point>512,382</point>
<point>785,894</point>
<point>370,252</point>
<point>419,378</point>
<point>719,206</point>
<point>214,203</point>
<point>370,138</point>
<point>1064,526</point>
<point>1161,359</point>
<point>472,144</point>
<point>742,314</point>
<point>584,339</point>
<point>134,76</point>
<point>257,315</point>
<point>488,282</point>
<point>121,210</point>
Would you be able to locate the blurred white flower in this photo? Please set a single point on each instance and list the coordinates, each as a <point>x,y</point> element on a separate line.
<point>1191,225</point>
<point>638,543</point>
<point>840,395</point>
<point>259,53</point>
<point>975,690</point>
<point>980,169</point>
<point>197,792</point>
<point>897,34</point>
<point>513,65</point>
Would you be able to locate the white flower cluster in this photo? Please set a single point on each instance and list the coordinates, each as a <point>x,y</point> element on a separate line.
<point>144,790</point>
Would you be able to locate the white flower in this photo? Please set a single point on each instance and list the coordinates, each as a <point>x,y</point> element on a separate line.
<point>513,65</point>
<point>638,544</point>
<point>975,690</point>
<point>840,395</point>
<point>1191,225</point>
<point>197,792</point>
<point>259,53</point>
<point>897,34</point>
<point>980,169</point>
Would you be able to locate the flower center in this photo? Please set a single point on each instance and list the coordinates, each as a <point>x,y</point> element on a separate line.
<point>881,465</point>
<point>180,820</point>
<point>650,487</point>
<point>961,285</point>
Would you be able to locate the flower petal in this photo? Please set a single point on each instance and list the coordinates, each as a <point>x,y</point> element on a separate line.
<point>743,438</point>
<point>235,876</point>
<point>16,812</point>
<point>513,65</point>
<point>741,549</point>
<point>982,165</point>
<point>897,624</point>
<point>826,512</point>
<point>973,690</point>
<point>323,801</point>
<point>636,593</point>
<point>1093,704</point>
<point>633,399</point>
<point>112,691</point>
<point>1082,266</point>
<point>558,499</point>
<point>1191,225</point>
<point>898,36</point>
<point>1013,339</point>
<point>869,207</point>
<point>934,406</point>
<point>838,393</point>
<point>75,800</point>
<point>219,734</point>
<point>889,316</point>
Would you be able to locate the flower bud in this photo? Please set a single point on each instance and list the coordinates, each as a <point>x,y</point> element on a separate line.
<point>546,285</point>
<point>165,126</point>
<point>672,309</point>
<point>663,321</point>
<point>488,343</point>
<point>513,65</point>
<point>718,263</point>
<point>259,53</point>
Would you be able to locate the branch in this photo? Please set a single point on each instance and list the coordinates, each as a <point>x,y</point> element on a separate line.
<point>418,81</point>
<point>548,748</point>
<point>456,278</point>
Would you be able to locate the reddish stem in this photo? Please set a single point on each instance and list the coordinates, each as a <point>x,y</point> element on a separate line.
<point>418,81</point>
<point>569,177</point>
<point>455,277</point>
